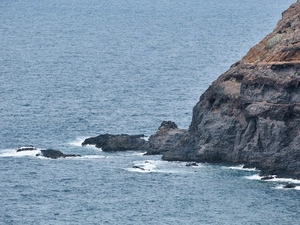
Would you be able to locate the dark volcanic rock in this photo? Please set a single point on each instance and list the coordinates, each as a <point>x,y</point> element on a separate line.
<point>121,142</point>
<point>166,138</point>
<point>55,154</point>
<point>251,113</point>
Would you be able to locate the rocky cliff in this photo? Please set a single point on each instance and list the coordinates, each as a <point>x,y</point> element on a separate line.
<point>251,113</point>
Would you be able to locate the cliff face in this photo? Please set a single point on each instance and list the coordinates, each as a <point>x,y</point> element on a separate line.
<point>251,113</point>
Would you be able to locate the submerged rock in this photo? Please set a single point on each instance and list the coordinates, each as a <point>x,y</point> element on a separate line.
<point>55,154</point>
<point>289,186</point>
<point>251,113</point>
<point>267,178</point>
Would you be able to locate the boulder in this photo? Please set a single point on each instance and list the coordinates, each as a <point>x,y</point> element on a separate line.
<point>251,113</point>
<point>55,154</point>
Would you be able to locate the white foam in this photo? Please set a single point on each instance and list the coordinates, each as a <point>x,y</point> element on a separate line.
<point>144,166</point>
<point>140,153</point>
<point>92,157</point>
<point>253,177</point>
<point>275,179</point>
<point>160,166</point>
<point>77,142</point>
<point>281,187</point>
<point>129,153</point>
<point>286,180</point>
<point>241,167</point>
<point>145,138</point>
<point>14,153</point>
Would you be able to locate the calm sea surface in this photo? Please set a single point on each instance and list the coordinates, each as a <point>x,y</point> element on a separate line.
<point>72,69</point>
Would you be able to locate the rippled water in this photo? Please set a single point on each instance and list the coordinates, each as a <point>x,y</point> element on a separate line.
<point>74,69</point>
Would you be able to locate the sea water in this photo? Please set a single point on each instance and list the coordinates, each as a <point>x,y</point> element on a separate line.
<point>73,69</point>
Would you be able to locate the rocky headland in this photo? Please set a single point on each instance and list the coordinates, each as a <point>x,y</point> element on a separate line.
<point>249,115</point>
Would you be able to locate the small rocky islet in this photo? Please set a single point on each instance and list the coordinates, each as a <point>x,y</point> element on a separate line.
<point>47,153</point>
<point>249,115</point>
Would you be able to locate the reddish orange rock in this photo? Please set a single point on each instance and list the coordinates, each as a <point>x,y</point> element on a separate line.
<point>283,44</point>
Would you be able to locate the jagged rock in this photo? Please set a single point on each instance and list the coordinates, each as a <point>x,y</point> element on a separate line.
<point>121,142</point>
<point>166,138</point>
<point>251,113</point>
<point>55,154</point>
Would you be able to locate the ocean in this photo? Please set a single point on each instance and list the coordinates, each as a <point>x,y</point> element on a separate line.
<point>75,69</point>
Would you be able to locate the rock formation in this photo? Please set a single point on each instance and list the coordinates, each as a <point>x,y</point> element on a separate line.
<point>163,140</point>
<point>251,113</point>
<point>119,142</point>
<point>49,153</point>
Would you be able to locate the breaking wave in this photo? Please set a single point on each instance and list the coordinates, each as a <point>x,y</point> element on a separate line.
<point>241,167</point>
<point>160,166</point>
<point>14,153</point>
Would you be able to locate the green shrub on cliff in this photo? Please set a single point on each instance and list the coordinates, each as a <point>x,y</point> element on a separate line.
<point>273,41</point>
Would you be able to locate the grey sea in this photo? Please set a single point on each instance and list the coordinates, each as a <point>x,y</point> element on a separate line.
<point>72,69</point>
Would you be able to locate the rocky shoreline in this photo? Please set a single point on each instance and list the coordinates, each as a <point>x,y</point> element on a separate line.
<point>249,115</point>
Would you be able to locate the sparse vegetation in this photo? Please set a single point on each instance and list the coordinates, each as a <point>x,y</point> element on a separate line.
<point>273,41</point>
